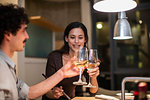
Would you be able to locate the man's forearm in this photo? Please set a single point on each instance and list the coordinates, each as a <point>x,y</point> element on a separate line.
<point>44,86</point>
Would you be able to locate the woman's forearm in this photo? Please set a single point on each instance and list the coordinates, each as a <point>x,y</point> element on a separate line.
<point>94,83</point>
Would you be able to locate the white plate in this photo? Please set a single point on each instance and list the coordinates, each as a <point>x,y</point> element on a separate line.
<point>106,97</point>
<point>126,94</point>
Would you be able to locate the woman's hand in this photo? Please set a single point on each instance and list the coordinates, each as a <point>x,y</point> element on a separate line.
<point>94,72</point>
<point>57,92</point>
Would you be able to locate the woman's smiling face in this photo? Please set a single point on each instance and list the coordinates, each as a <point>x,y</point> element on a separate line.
<point>75,39</point>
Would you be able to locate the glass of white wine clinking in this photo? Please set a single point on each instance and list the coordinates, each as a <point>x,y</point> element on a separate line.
<point>80,62</point>
<point>92,63</point>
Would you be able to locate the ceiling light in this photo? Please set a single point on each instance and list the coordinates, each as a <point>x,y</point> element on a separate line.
<point>99,25</point>
<point>114,5</point>
<point>122,28</point>
<point>140,21</point>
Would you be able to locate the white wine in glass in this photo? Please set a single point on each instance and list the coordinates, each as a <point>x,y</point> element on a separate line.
<point>82,60</point>
<point>91,66</point>
<point>80,63</point>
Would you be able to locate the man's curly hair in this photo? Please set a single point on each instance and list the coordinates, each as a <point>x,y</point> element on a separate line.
<point>11,18</point>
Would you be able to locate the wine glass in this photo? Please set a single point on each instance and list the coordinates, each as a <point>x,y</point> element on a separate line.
<point>92,62</point>
<point>80,62</point>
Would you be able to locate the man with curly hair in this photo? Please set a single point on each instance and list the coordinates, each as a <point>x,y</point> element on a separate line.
<point>13,36</point>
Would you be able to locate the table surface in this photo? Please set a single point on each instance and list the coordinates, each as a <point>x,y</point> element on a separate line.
<point>93,98</point>
<point>85,98</point>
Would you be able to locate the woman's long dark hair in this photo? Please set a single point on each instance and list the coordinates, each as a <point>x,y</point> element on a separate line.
<point>65,48</point>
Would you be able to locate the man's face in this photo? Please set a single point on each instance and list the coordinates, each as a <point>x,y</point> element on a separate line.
<point>17,42</point>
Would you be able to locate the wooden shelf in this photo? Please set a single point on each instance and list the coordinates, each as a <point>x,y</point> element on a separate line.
<point>38,20</point>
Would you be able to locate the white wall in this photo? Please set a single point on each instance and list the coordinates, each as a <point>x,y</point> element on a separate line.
<point>9,1</point>
<point>86,18</point>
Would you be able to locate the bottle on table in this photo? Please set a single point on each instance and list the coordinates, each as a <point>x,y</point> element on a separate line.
<point>142,87</point>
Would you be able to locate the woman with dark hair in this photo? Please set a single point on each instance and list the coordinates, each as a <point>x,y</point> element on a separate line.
<point>75,36</point>
<point>65,48</point>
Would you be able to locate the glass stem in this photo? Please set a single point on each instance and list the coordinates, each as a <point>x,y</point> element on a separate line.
<point>80,73</point>
<point>89,80</point>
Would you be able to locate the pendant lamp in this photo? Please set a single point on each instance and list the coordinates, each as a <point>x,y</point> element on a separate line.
<point>114,5</point>
<point>122,28</point>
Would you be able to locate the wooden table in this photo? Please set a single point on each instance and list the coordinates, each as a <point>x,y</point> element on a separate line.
<point>85,98</point>
<point>93,98</point>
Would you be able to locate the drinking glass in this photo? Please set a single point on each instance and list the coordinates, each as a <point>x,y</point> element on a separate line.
<point>92,62</point>
<point>80,62</point>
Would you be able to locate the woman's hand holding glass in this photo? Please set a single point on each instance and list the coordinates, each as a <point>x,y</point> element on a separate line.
<point>93,63</point>
<point>95,71</point>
